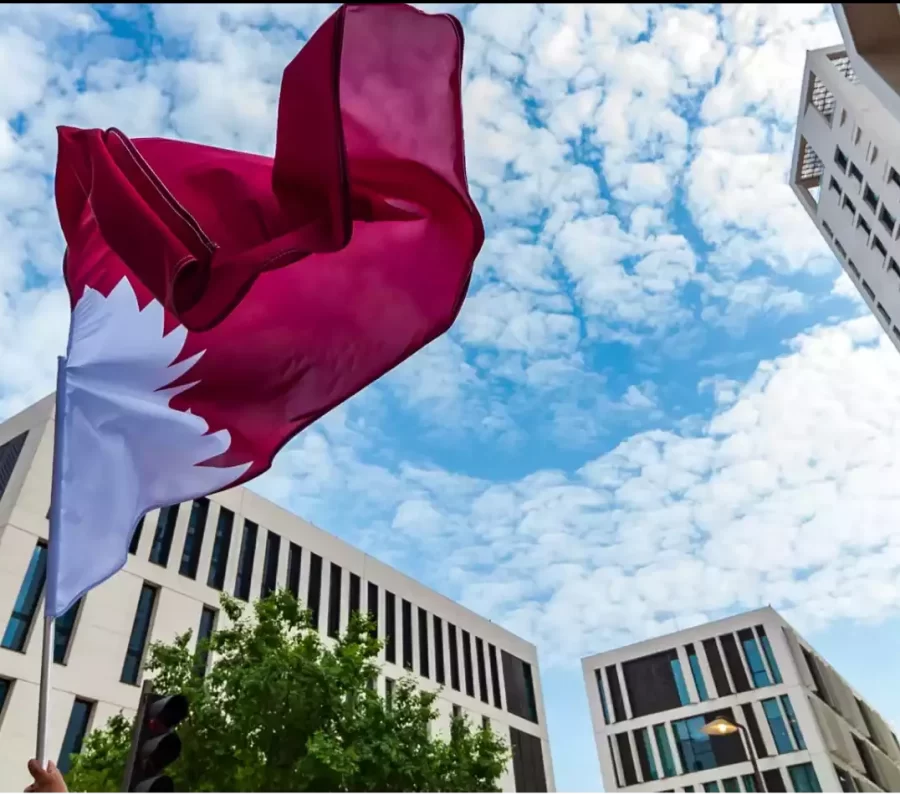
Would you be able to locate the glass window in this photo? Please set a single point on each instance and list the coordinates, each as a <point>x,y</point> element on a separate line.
<point>162,538</point>
<point>270,564</point>
<point>27,600</point>
<point>645,754</point>
<point>694,745</point>
<point>680,685</point>
<point>75,732</point>
<point>221,546</point>
<point>454,656</point>
<point>372,608</point>
<point>843,777</point>
<point>495,675</point>
<point>603,706</point>
<point>439,673</point>
<point>406,623</point>
<point>689,789</point>
<point>314,590</point>
<point>334,601</point>
<point>753,727</point>
<point>245,561</point>
<point>749,782</point>
<point>295,554</point>
<point>9,455</point>
<point>697,672</point>
<point>390,629</point>
<point>779,730</point>
<point>136,537</point>
<point>193,540</point>
<point>767,651</point>
<point>389,692</point>
<point>754,659</point>
<point>5,686</point>
<point>204,631</point>
<point>665,752</point>
<point>424,665</point>
<point>354,594</point>
<point>629,773</point>
<point>731,785</point>
<point>62,633</point>
<point>134,655</point>
<point>467,664</point>
<point>804,779</point>
<point>711,786</point>
<point>482,670</point>
<point>792,721</point>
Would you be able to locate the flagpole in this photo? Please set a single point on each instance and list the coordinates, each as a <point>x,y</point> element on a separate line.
<point>52,556</point>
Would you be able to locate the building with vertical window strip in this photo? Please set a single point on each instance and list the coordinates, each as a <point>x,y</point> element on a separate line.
<point>235,541</point>
<point>809,731</point>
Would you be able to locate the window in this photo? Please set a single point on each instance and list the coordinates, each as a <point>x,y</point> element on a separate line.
<point>495,676</point>
<point>19,626</point>
<point>645,754</point>
<point>855,173</point>
<point>759,744</point>
<point>839,247</point>
<point>612,758</point>
<point>5,686</point>
<point>389,693</point>
<point>840,159</point>
<point>749,782</point>
<point>761,631</point>
<point>731,785</point>
<point>665,752</point>
<point>834,186</point>
<point>295,556</point>
<point>221,545</point>
<point>334,602</point>
<point>372,608</point>
<point>482,670</point>
<point>454,656</point>
<point>598,674</point>
<point>424,665</point>
<point>855,271</point>
<point>697,673</point>
<point>162,538</point>
<point>869,769</point>
<point>245,561</point>
<point>881,310</point>
<point>406,622</point>
<point>857,135</point>
<point>193,540</point>
<point>134,655</point>
<point>873,153</point>
<point>754,659</point>
<point>457,711</point>
<point>439,673</point>
<point>136,537</point>
<point>467,664</point>
<point>628,771</point>
<point>519,685</point>
<point>314,590</point>
<point>612,678</point>
<point>680,685</point>
<point>848,204</point>
<point>779,730</point>
<point>843,778</point>
<point>840,125</point>
<point>716,667</point>
<point>711,786</point>
<point>774,782</point>
<point>527,762</point>
<point>892,267</point>
<point>204,631</point>
<point>792,721</point>
<point>698,751</point>
<point>62,633</point>
<point>9,456</point>
<point>689,789</point>
<point>870,198</point>
<point>270,564</point>
<point>354,598</point>
<point>893,177</point>
<point>868,290</point>
<point>390,628</point>
<point>655,683</point>
<point>803,777</point>
<point>735,665</point>
<point>887,219</point>
<point>75,733</point>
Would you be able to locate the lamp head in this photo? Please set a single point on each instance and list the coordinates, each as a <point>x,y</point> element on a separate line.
<point>720,726</point>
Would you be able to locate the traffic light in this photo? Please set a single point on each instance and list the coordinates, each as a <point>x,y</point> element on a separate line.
<point>157,744</point>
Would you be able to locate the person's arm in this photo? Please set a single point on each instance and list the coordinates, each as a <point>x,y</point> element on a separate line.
<point>45,780</point>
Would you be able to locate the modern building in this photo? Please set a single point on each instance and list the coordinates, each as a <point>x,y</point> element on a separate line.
<point>846,174</point>
<point>239,542</point>
<point>808,730</point>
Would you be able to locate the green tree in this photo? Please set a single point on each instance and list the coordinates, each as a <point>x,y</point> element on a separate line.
<point>279,711</point>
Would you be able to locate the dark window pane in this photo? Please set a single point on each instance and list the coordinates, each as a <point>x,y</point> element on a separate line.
<point>792,721</point>
<point>406,621</point>
<point>27,600</point>
<point>5,686</point>
<point>755,733</point>
<point>612,758</point>
<point>680,686</point>
<point>245,561</point>
<point>162,537</point>
<point>193,540</point>
<point>334,602</point>
<point>688,789</point>
<point>390,627</point>
<point>295,556</point>
<point>454,656</point>
<point>62,633</point>
<point>777,725</point>
<point>754,659</point>
<point>665,751</point>
<point>495,676</point>
<point>869,770</point>
<point>604,707</point>
<point>716,667</point>
<point>389,693</point>
<point>75,732</point>
<point>9,456</point>
<point>136,537</point>
<point>804,779</point>
<point>482,670</point>
<point>645,754</point>
<point>519,684</point>
<point>204,631</point>
<point>767,651</point>
<point>750,784</point>
<point>628,771</point>
<point>354,598</point>
<point>439,674</point>
<point>612,678</point>
<point>698,751</point>
<point>372,608</point>
<point>270,564</point>
<point>424,665</point>
<point>314,590</point>
<point>134,655</point>
<point>735,665</point>
<point>467,664</point>
<point>711,786</point>
<point>731,785</point>
<point>697,673</point>
<point>654,683</point>
<point>843,776</point>
<point>774,782</point>
<point>528,762</point>
<point>218,563</point>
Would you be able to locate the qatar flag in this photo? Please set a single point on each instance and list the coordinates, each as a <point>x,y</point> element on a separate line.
<point>223,301</point>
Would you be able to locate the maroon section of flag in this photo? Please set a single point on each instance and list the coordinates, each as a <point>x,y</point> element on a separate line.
<point>304,277</point>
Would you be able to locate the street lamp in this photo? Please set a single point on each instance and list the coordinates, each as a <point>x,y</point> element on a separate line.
<point>722,726</point>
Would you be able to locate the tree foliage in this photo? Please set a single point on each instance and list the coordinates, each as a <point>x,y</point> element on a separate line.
<point>278,710</point>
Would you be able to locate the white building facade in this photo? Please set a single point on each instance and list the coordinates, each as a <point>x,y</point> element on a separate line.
<point>846,174</point>
<point>181,559</point>
<point>809,731</point>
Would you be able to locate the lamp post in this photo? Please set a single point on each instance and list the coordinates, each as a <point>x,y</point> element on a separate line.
<point>722,726</point>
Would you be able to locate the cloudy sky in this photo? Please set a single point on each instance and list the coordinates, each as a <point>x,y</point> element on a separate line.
<point>661,403</point>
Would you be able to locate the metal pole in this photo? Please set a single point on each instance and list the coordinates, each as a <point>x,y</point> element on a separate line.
<point>44,695</point>
<point>760,786</point>
<point>146,690</point>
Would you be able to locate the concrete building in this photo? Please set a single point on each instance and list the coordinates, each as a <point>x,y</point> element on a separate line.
<point>846,174</point>
<point>180,560</point>
<point>807,728</point>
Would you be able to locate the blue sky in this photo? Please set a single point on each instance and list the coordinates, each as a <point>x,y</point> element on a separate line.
<point>662,402</point>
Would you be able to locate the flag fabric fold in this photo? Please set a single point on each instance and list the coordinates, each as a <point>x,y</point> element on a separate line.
<point>223,301</point>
